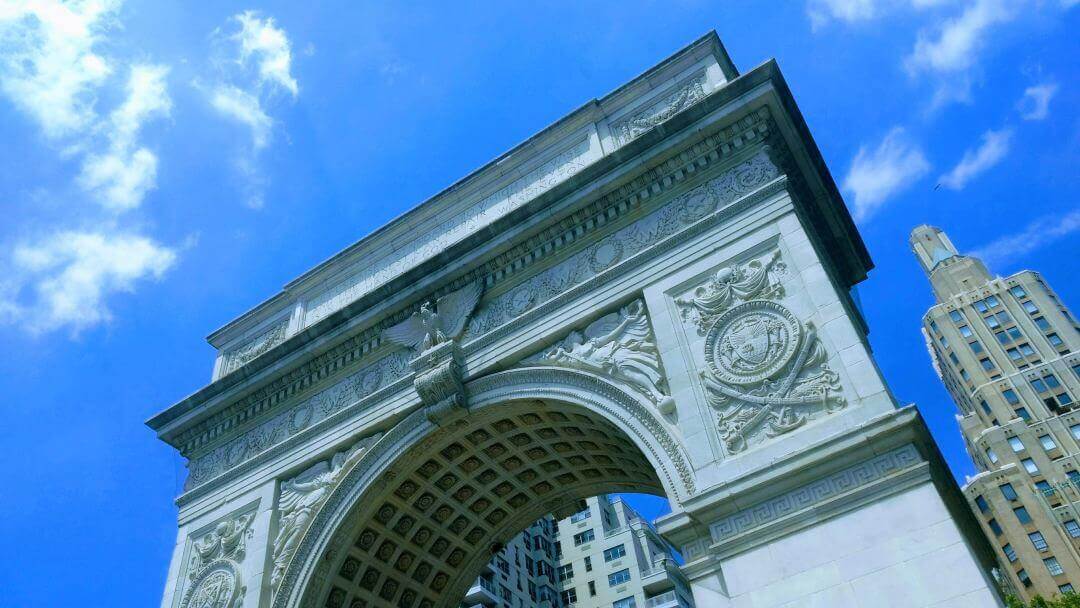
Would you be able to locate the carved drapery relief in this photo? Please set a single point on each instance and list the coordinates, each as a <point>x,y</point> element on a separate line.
<point>671,104</point>
<point>620,346</point>
<point>677,214</point>
<point>214,569</point>
<point>303,415</point>
<point>529,186</point>
<point>301,496</point>
<point>765,370</point>
<point>241,355</point>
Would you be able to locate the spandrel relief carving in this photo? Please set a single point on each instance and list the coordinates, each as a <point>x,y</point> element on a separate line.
<point>301,496</point>
<point>620,346</point>
<point>765,371</point>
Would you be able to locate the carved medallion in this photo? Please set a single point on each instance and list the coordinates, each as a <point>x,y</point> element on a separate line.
<point>751,342</point>
<point>215,587</point>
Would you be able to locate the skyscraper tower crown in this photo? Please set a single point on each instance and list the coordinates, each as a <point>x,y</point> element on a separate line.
<point>950,273</point>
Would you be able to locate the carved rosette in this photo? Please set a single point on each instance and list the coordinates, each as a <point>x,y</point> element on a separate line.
<point>214,569</point>
<point>765,370</point>
<point>619,346</point>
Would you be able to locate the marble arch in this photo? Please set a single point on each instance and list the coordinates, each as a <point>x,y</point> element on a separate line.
<point>652,294</point>
<point>561,435</point>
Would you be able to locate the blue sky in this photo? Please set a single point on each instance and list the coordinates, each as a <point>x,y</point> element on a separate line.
<point>165,169</point>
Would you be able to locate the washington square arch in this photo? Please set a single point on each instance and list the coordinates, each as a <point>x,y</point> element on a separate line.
<point>651,295</point>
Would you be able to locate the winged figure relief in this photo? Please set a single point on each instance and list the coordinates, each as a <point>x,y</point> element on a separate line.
<point>437,322</point>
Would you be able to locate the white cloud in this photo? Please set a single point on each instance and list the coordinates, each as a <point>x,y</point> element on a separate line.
<point>1035,104</point>
<point>123,174</point>
<point>64,280</point>
<point>48,66</point>
<point>878,174</point>
<point>954,47</point>
<point>1043,231</point>
<point>853,11</point>
<point>269,47</point>
<point>243,107</point>
<point>994,147</point>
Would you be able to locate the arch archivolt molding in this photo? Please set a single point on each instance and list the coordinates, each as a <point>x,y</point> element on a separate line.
<point>304,575</point>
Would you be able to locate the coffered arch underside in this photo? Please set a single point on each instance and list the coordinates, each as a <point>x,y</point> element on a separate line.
<point>416,518</point>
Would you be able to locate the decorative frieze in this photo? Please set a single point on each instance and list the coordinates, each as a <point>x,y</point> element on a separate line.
<point>241,355</point>
<point>300,497</point>
<point>619,346</point>
<point>684,96</point>
<point>765,372</point>
<point>497,312</point>
<point>814,493</point>
<point>424,246</point>
<point>214,576</point>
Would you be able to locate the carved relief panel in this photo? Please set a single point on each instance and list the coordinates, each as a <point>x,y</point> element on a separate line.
<point>761,367</point>
<point>214,573</point>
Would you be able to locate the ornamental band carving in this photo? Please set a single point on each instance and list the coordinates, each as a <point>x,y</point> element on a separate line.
<point>678,100</point>
<point>765,371</point>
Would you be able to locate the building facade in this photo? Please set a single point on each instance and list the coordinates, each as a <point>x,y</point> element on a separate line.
<point>605,555</point>
<point>1008,351</point>
<point>652,295</point>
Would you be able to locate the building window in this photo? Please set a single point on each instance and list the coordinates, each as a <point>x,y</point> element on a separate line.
<point>991,455</point>
<point>626,602</point>
<point>564,573</point>
<point>955,360</point>
<point>994,527</point>
<point>1055,340</point>
<point>1053,566</point>
<point>1038,540</point>
<point>617,578</point>
<point>975,346</point>
<point>1030,307</point>
<point>614,553</point>
<point>1010,553</point>
<point>1065,589</point>
<point>580,516</point>
<point>985,406</point>
<point>965,331</point>
<point>1017,291</point>
<point>1008,491</point>
<point>980,305</point>
<point>592,588</point>
<point>956,316</point>
<point>1075,430</point>
<point>1024,578</point>
<point>1047,442</point>
<point>986,364</point>
<point>1029,466</point>
<point>1041,323</point>
<point>1010,396</point>
<point>966,376</point>
<point>568,596</point>
<point>1016,444</point>
<point>584,537</point>
<point>1021,412</point>
<point>982,504</point>
<point>1072,528</point>
<point>588,564</point>
<point>1022,515</point>
<point>992,301</point>
<point>1044,486</point>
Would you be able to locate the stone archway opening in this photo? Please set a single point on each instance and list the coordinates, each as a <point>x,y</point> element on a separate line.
<point>419,539</point>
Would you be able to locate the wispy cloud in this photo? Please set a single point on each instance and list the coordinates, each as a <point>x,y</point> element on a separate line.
<point>1039,233</point>
<point>67,277</point>
<point>949,52</point>
<point>1035,104</point>
<point>994,147</point>
<point>878,174</point>
<point>122,175</point>
<point>258,68</point>
<point>52,70</point>
<point>853,11</point>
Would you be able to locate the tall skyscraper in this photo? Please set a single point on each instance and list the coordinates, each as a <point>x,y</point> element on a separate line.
<point>604,556</point>
<point>1008,351</point>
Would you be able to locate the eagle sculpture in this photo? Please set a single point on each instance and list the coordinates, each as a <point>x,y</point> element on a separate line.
<point>436,323</point>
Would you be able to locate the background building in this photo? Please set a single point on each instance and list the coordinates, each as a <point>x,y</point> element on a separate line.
<point>1007,351</point>
<point>605,555</point>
